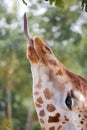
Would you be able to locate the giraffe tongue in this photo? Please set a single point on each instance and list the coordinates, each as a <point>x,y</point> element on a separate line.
<point>29,39</point>
<point>69,126</point>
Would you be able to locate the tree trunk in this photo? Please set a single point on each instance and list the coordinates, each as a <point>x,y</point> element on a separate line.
<point>9,107</point>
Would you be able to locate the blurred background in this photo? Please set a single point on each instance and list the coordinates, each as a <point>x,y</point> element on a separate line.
<point>64,30</point>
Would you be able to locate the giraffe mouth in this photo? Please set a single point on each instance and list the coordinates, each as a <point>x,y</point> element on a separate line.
<point>37,50</point>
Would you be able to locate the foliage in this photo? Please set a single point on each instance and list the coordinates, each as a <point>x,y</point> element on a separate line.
<point>63,4</point>
<point>5,125</point>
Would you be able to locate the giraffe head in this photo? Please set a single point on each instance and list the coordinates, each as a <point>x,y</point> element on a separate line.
<point>60,96</point>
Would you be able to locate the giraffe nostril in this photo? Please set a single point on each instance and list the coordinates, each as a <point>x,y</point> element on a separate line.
<point>69,126</point>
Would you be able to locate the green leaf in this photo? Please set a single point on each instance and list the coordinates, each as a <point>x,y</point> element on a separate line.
<point>59,3</point>
<point>51,1</point>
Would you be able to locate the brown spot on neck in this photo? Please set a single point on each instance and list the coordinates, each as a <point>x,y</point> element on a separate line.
<point>53,62</point>
<point>36,93</point>
<point>79,115</point>
<point>51,107</point>
<point>39,84</point>
<point>37,105</point>
<point>43,129</point>
<point>51,75</point>
<point>59,72</point>
<point>52,128</point>
<point>42,113</point>
<point>42,121</point>
<point>85,116</point>
<point>39,100</point>
<point>47,93</point>
<point>54,118</point>
<point>59,128</point>
<point>66,119</point>
<point>81,122</point>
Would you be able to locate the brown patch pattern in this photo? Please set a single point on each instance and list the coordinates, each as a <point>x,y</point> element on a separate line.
<point>79,115</point>
<point>38,105</point>
<point>54,118</point>
<point>47,93</point>
<point>39,100</point>
<point>85,116</point>
<point>59,128</point>
<point>42,113</point>
<point>51,107</point>
<point>59,72</point>
<point>79,82</point>
<point>49,50</point>
<point>66,119</point>
<point>42,121</point>
<point>38,85</point>
<point>63,122</point>
<point>51,75</point>
<point>81,122</point>
<point>43,129</point>
<point>52,128</point>
<point>36,93</point>
<point>53,62</point>
<point>31,54</point>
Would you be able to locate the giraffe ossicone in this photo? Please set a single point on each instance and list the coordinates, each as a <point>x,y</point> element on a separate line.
<point>60,96</point>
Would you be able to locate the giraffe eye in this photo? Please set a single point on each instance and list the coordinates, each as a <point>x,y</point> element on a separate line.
<point>68,101</point>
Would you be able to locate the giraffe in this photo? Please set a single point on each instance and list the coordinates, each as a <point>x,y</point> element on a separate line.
<point>60,96</point>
